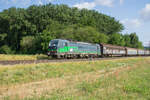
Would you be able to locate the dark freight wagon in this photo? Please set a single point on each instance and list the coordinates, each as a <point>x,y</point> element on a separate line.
<point>111,50</point>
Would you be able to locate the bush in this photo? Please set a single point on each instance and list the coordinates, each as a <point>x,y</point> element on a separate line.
<point>5,50</point>
<point>29,45</point>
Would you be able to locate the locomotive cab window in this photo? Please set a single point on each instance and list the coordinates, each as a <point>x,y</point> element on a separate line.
<point>53,43</point>
<point>66,44</point>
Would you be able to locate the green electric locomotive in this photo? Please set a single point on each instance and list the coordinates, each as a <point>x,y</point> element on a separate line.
<point>60,48</point>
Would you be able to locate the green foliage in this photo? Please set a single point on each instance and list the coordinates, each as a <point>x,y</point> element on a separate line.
<point>140,45</point>
<point>127,40</point>
<point>135,41</point>
<point>5,50</point>
<point>87,34</point>
<point>29,44</point>
<point>46,36</point>
<point>2,38</point>
<point>82,33</point>
<point>103,38</point>
<point>52,31</point>
<point>117,39</point>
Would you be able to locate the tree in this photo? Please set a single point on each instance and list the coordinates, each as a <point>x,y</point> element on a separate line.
<point>116,39</point>
<point>28,45</point>
<point>102,38</point>
<point>5,50</point>
<point>140,45</point>
<point>2,38</point>
<point>134,40</point>
<point>51,32</point>
<point>127,40</point>
<point>83,33</point>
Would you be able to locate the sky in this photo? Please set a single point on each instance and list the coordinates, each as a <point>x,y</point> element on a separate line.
<point>133,14</point>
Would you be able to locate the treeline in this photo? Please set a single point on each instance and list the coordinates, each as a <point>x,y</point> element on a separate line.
<point>29,31</point>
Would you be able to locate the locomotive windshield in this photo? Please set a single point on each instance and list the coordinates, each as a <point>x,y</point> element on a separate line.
<point>53,43</point>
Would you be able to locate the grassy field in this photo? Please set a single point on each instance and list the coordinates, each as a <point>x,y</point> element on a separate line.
<point>4,57</point>
<point>123,79</point>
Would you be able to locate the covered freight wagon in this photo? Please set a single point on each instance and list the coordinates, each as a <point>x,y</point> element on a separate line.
<point>147,52</point>
<point>141,52</point>
<point>111,50</point>
<point>131,51</point>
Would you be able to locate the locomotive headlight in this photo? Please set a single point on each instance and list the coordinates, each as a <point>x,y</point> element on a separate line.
<point>71,50</point>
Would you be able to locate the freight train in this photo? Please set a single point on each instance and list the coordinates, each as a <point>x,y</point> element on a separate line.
<point>60,48</point>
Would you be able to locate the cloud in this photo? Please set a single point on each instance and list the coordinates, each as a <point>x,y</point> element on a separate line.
<point>107,3</point>
<point>94,3</point>
<point>131,23</point>
<point>22,3</point>
<point>121,2</point>
<point>145,13</point>
<point>40,2</point>
<point>91,5</point>
<point>87,5</point>
<point>14,1</point>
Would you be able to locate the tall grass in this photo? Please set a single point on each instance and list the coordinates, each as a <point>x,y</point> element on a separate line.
<point>4,57</point>
<point>129,83</point>
<point>132,84</point>
<point>35,72</point>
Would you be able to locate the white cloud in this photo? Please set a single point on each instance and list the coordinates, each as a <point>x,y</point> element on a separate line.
<point>121,2</point>
<point>40,2</point>
<point>14,1</point>
<point>94,3</point>
<point>131,23</point>
<point>145,13</point>
<point>25,2</point>
<point>87,5</point>
<point>107,3</point>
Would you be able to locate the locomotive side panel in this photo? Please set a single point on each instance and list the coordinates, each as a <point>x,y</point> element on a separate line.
<point>69,49</point>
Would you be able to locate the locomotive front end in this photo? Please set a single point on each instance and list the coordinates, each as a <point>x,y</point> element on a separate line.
<point>52,49</point>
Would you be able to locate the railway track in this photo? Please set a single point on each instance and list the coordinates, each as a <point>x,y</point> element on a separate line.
<point>15,62</point>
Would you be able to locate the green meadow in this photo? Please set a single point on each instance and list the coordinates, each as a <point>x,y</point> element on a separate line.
<point>118,79</point>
